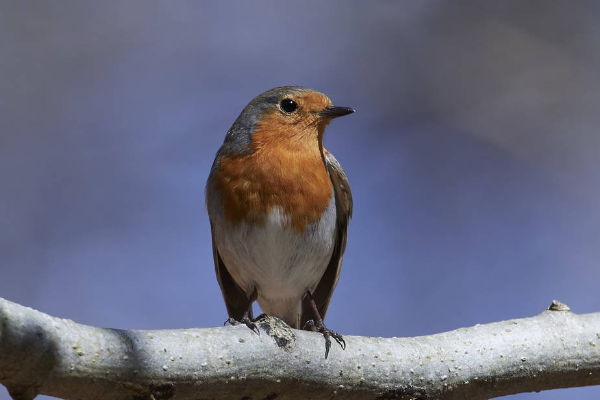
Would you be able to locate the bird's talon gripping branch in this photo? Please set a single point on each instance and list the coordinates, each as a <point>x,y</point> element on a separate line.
<point>327,334</point>
<point>250,323</point>
<point>319,326</point>
<point>339,339</point>
<point>309,326</point>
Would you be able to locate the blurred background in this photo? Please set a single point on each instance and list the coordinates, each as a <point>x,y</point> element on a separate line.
<point>473,156</point>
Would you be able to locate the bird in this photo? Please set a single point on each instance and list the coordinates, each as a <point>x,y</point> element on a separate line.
<point>279,206</point>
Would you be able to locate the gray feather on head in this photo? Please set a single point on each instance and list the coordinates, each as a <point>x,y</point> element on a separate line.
<point>239,137</point>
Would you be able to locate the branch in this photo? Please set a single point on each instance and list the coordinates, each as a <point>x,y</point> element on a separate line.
<point>42,354</point>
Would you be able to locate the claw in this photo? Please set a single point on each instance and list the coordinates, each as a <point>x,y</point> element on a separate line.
<point>246,321</point>
<point>319,326</point>
<point>327,334</point>
<point>310,324</point>
<point>339,339</point>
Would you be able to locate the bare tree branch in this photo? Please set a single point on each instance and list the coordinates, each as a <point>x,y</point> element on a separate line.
<point>42,354</point>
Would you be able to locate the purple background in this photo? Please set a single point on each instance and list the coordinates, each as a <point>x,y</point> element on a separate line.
<point>473,155</point>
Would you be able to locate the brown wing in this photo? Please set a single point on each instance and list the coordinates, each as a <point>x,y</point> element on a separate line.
<point>236,300</point>
<point>343,203</point>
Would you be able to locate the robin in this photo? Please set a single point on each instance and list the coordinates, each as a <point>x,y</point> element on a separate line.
<point>279,206</point>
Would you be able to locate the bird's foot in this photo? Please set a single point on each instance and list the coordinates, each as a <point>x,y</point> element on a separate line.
<point>246,320</point>
<point>319,326</point>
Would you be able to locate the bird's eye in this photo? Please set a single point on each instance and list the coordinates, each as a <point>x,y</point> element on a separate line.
<point>288,106</point>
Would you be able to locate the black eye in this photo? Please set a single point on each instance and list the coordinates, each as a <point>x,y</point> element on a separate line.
<point>288,105</point>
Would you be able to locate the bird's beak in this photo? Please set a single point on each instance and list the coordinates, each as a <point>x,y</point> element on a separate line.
<point>334,112</point>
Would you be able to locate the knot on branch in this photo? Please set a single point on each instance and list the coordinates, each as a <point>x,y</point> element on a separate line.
<point>279,331</point>
<point>558,306</point>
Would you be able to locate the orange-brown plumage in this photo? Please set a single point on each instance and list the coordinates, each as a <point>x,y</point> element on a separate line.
<point>285,169</point>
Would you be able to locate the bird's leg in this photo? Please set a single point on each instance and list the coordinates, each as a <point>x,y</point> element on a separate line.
<point>319,326</point>
<point>247,320</point>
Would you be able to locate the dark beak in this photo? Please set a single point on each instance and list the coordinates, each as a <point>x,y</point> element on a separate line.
<point>334,112</point>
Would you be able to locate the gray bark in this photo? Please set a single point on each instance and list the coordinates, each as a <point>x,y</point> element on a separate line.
<point>40,354</point>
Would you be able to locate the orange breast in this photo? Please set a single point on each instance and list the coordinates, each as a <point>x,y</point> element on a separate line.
<point>283,171</point>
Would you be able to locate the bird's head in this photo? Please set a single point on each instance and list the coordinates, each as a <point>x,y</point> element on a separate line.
<point>287,115</point>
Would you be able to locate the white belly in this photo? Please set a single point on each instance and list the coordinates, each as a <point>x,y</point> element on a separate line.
<point>280,263</point>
